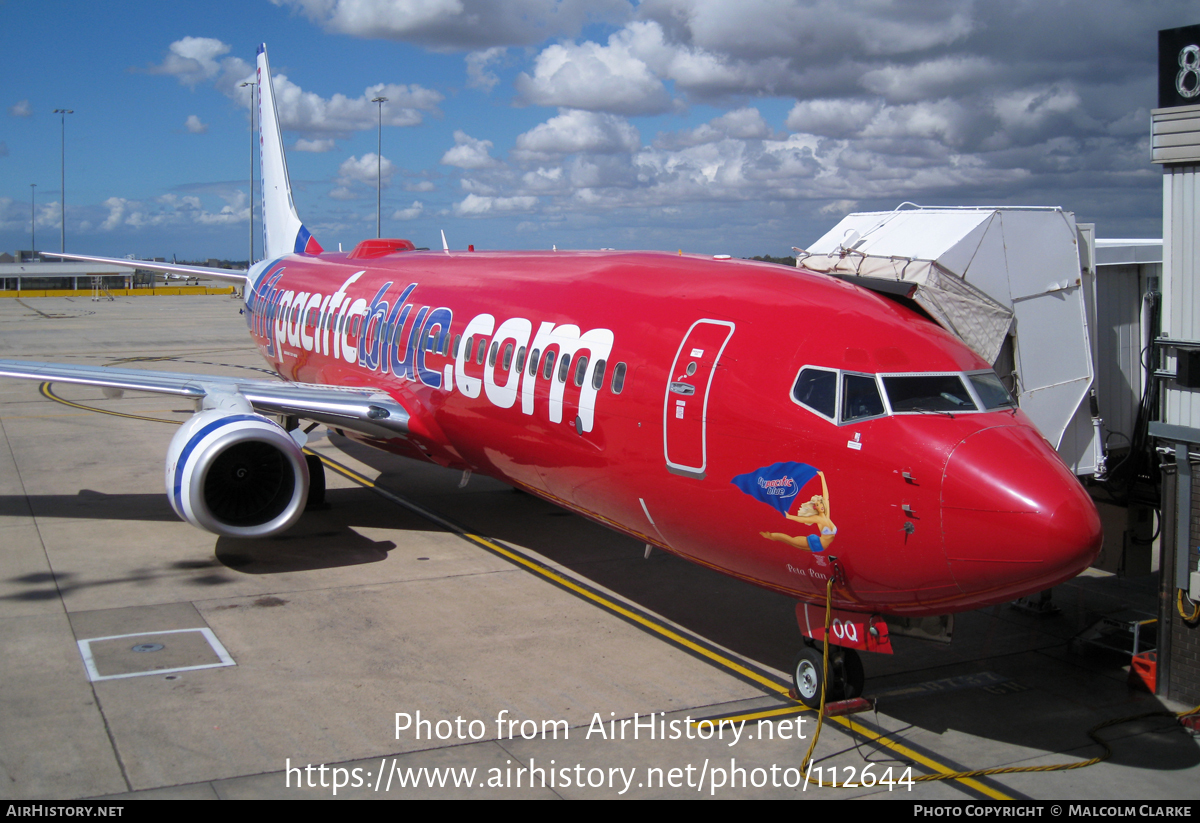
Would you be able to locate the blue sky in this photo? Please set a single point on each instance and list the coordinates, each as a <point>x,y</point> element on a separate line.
<point>697,124</point>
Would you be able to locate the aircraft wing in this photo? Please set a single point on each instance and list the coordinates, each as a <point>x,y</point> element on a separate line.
<point>231,275</point>
<point>364,410</point>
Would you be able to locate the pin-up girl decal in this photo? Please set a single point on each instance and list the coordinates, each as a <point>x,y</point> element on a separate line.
<point>777,486</point>
<point>814,512</point>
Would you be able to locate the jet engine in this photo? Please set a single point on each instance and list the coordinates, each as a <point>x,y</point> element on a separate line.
<point>236,473</point>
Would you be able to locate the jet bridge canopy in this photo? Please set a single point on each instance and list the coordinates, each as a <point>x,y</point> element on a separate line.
<point>986,274</point>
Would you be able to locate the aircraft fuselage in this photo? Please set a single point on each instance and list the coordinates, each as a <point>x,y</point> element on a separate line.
<point>688,403</point>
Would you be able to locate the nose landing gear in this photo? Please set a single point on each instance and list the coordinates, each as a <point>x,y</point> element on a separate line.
<point>846,676</point>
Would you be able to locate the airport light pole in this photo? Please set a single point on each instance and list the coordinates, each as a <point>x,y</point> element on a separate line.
<point>32,217</point>
<point>379,168</point>
<point>253,88</point>
<point>63,163</point>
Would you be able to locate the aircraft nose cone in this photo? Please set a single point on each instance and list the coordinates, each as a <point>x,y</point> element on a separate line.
<point>1014,519</point>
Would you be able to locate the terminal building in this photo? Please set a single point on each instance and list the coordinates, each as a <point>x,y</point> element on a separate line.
<point>28,273</point>
<point>38,274</point>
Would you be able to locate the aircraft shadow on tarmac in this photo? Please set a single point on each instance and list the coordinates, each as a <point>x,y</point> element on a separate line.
<point>89,504</point>
<point>323,539</point>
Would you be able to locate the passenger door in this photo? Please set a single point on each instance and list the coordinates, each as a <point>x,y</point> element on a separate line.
<point>685,408</point>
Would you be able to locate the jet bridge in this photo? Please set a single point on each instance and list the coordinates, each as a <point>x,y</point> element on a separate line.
<point>1016,284</point>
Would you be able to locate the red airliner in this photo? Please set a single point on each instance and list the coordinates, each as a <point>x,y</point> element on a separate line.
<point>776,425</point>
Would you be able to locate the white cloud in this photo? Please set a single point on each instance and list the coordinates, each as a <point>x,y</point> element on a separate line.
<point>469,153</point>
<point>711,49</point>
<point>21,109</point>
<point>366,169</point>
<point>474,186</point>
<point>174,210</point>
<point>195,59</point>
<point>49,215</point>
<point>578,131</point>
<point>116,213</point>
<point>195,126</point>
<point>321,145</point>
<point>931,79</point>
<point>544,180</point>
<point>1027,109</point>
<point>459,24</point>
<point>474,205</point>
<point>594,77</point>
<point>478,75</point>
<point>698,70</point>
<point>813,29</point>
<point>741,124</point>
<point>422,186</point>
<point>838,208</point>
<point>311,114</point>
<point>832,118</point>
<point>411,213</point>
<point>944,120</point>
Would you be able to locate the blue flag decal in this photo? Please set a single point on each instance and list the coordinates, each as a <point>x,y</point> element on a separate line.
<point>776,485</point>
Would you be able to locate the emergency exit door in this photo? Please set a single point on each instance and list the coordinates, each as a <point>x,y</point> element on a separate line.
<point>685,410</point>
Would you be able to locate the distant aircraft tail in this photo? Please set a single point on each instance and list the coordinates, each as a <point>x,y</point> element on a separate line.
<point>283,233</point>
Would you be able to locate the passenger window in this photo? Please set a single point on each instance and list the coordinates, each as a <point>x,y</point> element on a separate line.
<point>457,340</point>
<point>580,369</point>
<point>520,358</point>
<point>508,351</point>
<point>564,367</point>
<point>618,382</point>
<point>598,375</point>
<point>492,354</point>
<point>817,389</point>
<point>533,362</point>
<point>548,368</point>
<point>479,353</point>
<point>860,397</point>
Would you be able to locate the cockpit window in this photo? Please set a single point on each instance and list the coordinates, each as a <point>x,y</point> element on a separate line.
<point>817,389</point>
<point>928,392</point>
<point>991,391</point>
<point>860,398</point>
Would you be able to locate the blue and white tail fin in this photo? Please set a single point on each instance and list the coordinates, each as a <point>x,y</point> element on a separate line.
<point>283,233</point>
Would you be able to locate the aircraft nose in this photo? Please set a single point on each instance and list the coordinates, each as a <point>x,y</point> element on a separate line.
<point>1014,519</point>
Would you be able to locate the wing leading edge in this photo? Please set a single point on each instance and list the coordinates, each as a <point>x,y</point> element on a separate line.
<point>368,411</point>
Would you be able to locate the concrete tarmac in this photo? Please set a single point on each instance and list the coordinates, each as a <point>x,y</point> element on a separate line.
<point>418,639</point>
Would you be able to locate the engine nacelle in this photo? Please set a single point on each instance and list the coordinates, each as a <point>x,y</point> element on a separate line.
<point>236,473</point>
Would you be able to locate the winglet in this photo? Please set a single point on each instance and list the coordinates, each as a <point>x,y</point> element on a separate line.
<point>283,233</point>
